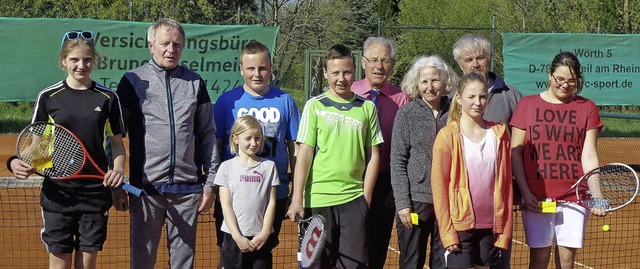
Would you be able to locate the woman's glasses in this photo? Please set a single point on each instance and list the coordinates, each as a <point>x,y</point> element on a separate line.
<point>75,34</point>
<point>562,81</point>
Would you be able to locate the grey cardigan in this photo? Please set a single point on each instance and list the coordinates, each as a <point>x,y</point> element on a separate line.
<point>414,131</point>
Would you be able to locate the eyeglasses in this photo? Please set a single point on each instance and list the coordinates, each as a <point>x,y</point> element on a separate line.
<point>571,82</point>
<point>384,61</point>
<point>75,34</point>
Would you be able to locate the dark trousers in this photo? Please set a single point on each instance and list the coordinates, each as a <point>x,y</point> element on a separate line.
<point>346,228</point>
<point>381,215</point>
<point>413,242</point>
<point>504,260</point>
<point>476,248</point>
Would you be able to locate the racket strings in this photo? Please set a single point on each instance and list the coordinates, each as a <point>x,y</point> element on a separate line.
<point>52,151</point>
<point>614,184</point>
<point>618,184</point>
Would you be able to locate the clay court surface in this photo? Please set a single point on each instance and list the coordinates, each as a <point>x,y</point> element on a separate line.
<point>20,223</point>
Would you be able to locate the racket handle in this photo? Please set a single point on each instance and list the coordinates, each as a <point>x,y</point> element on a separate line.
<point>131,189</point>
<point>598,202</point>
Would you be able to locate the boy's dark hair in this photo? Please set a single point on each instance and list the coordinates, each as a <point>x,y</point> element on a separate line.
<point>339,52</point>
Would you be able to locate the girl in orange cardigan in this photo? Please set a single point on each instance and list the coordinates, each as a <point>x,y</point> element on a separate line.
<point>470,157</point>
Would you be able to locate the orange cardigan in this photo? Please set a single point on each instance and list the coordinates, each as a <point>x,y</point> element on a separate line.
<point>450,186</point>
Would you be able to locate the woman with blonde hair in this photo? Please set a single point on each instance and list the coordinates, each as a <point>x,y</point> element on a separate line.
<point>75,212</point>
<point>470,157</point>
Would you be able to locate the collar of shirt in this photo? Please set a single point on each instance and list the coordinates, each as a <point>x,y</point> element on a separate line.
<point>362,88</point>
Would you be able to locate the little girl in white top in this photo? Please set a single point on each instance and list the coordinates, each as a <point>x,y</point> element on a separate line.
<point>247,195</point>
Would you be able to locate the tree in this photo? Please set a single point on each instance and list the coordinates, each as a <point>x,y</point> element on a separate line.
<point>436,27</point>
<point>524,16</point>
<point>318,24</point>
<point>315,24</point>
<point>387,10</point>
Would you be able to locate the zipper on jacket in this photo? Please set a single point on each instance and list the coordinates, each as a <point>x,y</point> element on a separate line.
<point>172,124</point>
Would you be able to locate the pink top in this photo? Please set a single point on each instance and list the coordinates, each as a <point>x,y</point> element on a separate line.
<point>481,159</point>
<point>390,99</point>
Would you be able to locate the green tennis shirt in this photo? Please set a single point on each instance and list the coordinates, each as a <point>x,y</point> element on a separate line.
<point>340,131</point>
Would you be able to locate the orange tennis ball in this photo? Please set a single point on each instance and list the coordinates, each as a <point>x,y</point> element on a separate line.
<point>606,228</point>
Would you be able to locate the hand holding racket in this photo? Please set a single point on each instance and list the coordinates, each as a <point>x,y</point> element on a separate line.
<point>604,189</point>
<point>21,169</point>
<point>311,237</point>
<point>55,152</point>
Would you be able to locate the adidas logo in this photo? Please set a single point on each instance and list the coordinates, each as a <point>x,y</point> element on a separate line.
<point>343,108</point>
<point>97,109</point>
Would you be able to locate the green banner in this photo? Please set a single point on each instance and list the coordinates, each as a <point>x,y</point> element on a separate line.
<point>30,49</point>
<point>610,63</point>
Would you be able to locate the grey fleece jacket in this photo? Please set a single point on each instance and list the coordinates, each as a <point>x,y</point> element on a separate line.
<point>169,119</point>
<point>414,131</point>
<point>503,99</point>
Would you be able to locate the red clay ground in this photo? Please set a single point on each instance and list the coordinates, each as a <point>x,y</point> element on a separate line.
<point>20,223</point>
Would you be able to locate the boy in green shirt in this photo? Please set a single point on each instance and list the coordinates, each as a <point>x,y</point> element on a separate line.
<point>337,162</point>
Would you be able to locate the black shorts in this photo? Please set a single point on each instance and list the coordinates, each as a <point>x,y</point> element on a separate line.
<point>346,234</point>
<point>64,232</point>
<point>476,248</point>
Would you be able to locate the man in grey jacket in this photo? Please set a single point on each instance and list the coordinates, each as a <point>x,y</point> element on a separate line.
<point>473,54</point>
<point>169,119</point>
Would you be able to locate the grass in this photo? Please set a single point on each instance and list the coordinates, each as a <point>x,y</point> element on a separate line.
<point>17,115</point>
<point>623,128</point>
<point>618,126</point>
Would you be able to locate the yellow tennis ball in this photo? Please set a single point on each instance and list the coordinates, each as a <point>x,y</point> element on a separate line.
<point>606,228</point>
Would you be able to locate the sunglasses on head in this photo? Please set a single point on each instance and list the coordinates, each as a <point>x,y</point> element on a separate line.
<point>75,34</point>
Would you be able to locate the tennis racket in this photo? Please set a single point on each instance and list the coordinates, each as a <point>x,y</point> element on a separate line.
<point>610,186</point>
<point>57,153</point>
<point>311,237</point>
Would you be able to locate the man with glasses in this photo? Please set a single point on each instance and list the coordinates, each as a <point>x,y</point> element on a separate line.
<point>378,62</point>
<point>473,54</point>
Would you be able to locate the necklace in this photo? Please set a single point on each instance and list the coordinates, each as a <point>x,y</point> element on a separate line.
<point>549,97</point>
<point>551,101</point>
